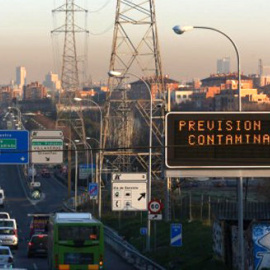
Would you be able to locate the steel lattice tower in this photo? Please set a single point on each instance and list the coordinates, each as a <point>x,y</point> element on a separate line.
<point>67,113</point>
<point>135,49</point>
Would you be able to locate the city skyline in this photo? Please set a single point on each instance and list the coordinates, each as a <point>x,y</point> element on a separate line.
<point>26,39</point>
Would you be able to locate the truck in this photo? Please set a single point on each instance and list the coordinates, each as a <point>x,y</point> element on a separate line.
<point>39,223</point>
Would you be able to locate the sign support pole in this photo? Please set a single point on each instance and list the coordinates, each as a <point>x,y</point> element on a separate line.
<point>69,169</point>
<point>240,224</point>
<point>33,175</point>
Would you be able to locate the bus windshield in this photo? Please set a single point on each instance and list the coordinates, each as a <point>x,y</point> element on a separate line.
<point>78,233</point>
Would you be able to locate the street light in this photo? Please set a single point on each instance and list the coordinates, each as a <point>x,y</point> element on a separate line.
<point>180,30</point>
<point>76,171</point>
<point>100,146</point>
<point>117,74</point>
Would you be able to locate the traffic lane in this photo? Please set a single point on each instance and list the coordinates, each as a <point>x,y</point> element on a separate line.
<point>19,206</point>
<point>54,194</point>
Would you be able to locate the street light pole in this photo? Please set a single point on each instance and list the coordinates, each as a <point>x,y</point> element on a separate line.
<point>92,170</point>
<point>76,173</point>
<point>180,30</point>
<point>100,150</point>
<point>116,74</point>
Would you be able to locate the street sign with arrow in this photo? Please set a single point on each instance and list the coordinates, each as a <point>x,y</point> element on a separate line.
<point>155,216</point>
<point>142,196</point>
<point>128,196</point>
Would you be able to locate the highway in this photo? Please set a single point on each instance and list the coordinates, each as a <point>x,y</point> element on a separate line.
<point>18,205</point>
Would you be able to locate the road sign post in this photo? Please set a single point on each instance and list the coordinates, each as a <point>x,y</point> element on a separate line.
<point>176,235</point>
<point>93,191</point>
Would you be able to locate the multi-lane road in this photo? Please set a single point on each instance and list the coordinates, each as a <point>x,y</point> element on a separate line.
<point>19,205</point>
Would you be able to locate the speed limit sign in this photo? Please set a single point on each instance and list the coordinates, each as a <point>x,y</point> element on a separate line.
<point>155,206</point>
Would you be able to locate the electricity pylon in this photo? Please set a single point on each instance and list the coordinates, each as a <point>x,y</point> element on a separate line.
<point>67,112</point>
<point>135,49</point>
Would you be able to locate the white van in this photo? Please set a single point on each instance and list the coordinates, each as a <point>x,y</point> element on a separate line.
<point>2,197</point>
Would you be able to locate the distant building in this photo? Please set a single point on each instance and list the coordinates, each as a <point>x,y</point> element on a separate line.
<point>20,76</point>
<point>5,94</point>
<point>264,80</point>
<point>138,88</point>
<point>223,65</point>
<point>227,81</point>
<point>34,91</point>
<point>52,81</point>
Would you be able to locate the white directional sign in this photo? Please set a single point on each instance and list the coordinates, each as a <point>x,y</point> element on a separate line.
<point>47,146</point>
<point>47,134</point>
<point>46,151</point>
<point>129,196</point>
<point>129,176</point>
<point>155,216</point>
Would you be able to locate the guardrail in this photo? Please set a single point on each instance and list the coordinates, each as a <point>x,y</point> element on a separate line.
<point>121,247</point>
<point>128,252</point>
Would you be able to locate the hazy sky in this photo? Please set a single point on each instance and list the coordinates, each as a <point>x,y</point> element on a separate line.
<point>25,27</point>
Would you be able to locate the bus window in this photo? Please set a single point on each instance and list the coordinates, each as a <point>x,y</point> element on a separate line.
<point>77,233</point>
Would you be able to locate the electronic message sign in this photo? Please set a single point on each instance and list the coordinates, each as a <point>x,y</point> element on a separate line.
<point>217,140</point>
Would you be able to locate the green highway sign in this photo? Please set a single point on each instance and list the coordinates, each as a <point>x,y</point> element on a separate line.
<point>8,143</point>
<point>51,144</point>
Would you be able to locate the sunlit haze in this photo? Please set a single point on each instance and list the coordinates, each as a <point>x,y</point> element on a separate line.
<point>25,28</point>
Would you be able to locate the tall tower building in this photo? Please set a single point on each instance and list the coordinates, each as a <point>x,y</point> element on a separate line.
<point>20,76</point>
<point>223,65</point>
<point>52,81</point>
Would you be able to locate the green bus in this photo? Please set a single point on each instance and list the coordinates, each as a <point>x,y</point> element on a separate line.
<point>75,242</point>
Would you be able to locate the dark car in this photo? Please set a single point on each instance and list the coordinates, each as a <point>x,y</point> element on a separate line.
<point>38,245</point>
<point>45,173</point>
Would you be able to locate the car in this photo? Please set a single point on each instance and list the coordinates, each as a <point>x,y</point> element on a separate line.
<point>9,237</point>
<point>4,215</point>
<point>6,258</point>
<point>45,173</point>
<point>8,222</point>
<point>2,197</point>
<point>38,245</point>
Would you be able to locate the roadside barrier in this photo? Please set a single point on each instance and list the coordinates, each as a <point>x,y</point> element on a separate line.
<point>121,247</point>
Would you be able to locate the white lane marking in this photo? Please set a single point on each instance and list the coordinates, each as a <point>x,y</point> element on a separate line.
<point>35,266</point>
